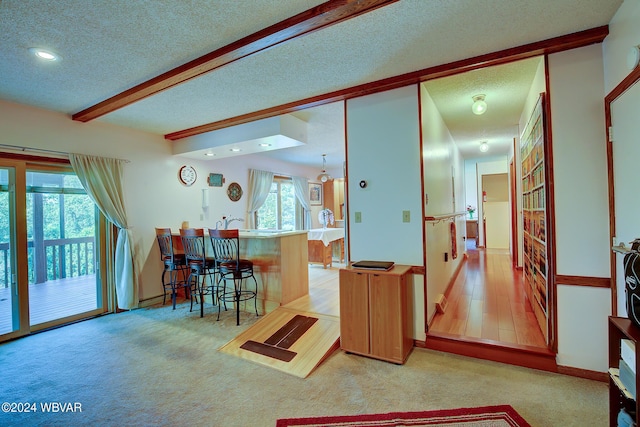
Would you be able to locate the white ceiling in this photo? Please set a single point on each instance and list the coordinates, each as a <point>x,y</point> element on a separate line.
<point>108,46</point>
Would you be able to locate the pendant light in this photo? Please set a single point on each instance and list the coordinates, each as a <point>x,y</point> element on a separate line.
<point>479,106</point>
<point>324,176</point>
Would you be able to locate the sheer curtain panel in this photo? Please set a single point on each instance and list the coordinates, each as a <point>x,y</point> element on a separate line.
<point>259,187</point>
<point>301,186</point>
<point>102,179</point>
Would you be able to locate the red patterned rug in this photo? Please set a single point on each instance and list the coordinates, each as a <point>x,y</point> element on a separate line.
<point>486,416</point>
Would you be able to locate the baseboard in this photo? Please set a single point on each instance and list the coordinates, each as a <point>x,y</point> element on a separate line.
<point>584,373</point>
<point>151,301</point>
<point>454,277</point>
<point>526,356</point>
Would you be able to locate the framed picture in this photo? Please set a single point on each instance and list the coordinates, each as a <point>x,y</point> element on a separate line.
<point>315,194</point>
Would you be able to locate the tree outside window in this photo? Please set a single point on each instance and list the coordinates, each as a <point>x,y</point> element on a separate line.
<point>279,210</point>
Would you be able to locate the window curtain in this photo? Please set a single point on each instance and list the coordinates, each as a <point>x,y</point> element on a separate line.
<point>102,180</point>
<point>301,186</point>
<point>259,187</point>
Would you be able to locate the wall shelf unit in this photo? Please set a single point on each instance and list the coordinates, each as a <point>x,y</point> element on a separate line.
<point>534,215</point>
<point>619,397</point>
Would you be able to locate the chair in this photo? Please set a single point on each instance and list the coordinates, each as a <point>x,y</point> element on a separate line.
<point>226,251</point>
<point>174,264</point>
<point>200,266</point>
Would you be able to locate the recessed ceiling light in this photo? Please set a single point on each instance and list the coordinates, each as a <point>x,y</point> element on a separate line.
<point>235,150</point>
<point>209,154</point>
<point>484,147</point>
<point>264,144</point>
<point>43,54</point>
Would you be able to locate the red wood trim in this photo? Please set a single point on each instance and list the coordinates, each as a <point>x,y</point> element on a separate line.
<point>31,158</point>
<point>621,88</point>
<point>316,18</point>
<point>347,256</point>
<point>584,373</point>
<point>418,269</point>
<point>594,282</point>
<point>454,277</point>
<point>425,299</point>
<point>549,210</point>
<point>553,45</point>
<point>530,357</point>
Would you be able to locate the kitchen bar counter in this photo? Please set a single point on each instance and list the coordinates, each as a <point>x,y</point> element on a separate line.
<point>279,263</point>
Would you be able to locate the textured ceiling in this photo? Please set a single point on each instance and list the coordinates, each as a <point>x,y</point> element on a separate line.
<point>108,46</point>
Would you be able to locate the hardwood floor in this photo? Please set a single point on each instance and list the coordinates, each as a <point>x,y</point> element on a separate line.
<point>487,301</point>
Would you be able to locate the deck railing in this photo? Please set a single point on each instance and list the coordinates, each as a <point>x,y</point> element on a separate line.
<point>64,258</point>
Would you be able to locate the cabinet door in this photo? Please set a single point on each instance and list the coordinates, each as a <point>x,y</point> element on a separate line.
<point>354,312</point>
<point>386,327</point>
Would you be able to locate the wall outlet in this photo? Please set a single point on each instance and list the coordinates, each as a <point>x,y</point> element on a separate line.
<point>406,216</point>
<point>358,217</point>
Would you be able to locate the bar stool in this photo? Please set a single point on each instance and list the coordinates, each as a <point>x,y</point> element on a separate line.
<point>226,251</point>
<point>199,265</point>
<point>174,264</point>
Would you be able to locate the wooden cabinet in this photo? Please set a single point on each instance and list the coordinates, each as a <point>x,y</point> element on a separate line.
<point>376,312</point>
<point>621,328</point>
<point>472,229</point>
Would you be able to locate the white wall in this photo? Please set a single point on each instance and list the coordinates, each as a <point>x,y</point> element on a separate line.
<point>471,186</point>
<point>576,87</point>
<point>624,32</point>
<point>153,195</point>
<point>441,159</point>
<point>488,166</point>
<point>383,149</point>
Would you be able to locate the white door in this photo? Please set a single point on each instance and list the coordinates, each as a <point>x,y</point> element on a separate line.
<point>626,171</point>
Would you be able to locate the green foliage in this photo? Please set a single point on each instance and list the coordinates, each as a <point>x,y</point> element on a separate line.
<point>279,209</point>
<point>58,203</point>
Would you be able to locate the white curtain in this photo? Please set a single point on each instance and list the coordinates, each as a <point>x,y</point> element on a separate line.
<point>259,187</point>
<point>301,186</point>
<point>102,180</point>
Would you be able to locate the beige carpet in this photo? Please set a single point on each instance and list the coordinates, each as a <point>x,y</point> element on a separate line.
<point>161,367</point>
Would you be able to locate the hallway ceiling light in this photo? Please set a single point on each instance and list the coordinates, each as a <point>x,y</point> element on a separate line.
<point>479,105</point>
<point>44,54</point>
<point>484,147</point>
<point>324,176</point>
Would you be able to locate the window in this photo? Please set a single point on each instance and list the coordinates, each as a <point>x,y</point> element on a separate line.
<point>281,210</point>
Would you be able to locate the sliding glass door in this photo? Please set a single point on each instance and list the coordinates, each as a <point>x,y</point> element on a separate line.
<point>49,256</point>
<point>9,309</point>
<point>62,251</point>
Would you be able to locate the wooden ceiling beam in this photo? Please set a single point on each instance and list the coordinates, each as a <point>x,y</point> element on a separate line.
<point>316,18</point>
<point>545,47</point>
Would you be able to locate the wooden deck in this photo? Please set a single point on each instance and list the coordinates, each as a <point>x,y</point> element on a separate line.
<point>54,299</point>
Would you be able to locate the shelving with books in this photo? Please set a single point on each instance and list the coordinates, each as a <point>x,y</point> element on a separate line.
<point>623,340</point>
<point>534,214</point>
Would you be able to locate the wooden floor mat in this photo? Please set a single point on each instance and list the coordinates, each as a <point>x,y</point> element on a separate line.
<point>288,340</point>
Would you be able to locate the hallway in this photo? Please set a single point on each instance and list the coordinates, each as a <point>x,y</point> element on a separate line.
<point>488,302</point>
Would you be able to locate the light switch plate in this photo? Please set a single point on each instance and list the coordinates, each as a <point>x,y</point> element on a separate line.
<point>406,216</point>
<point>358,217</point>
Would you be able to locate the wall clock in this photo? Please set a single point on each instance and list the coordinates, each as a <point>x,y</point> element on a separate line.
<point>187,175</point>
<point>234,191</point>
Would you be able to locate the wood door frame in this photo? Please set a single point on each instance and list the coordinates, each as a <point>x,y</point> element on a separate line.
<point>514,209</point>
<point>618,91</point>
